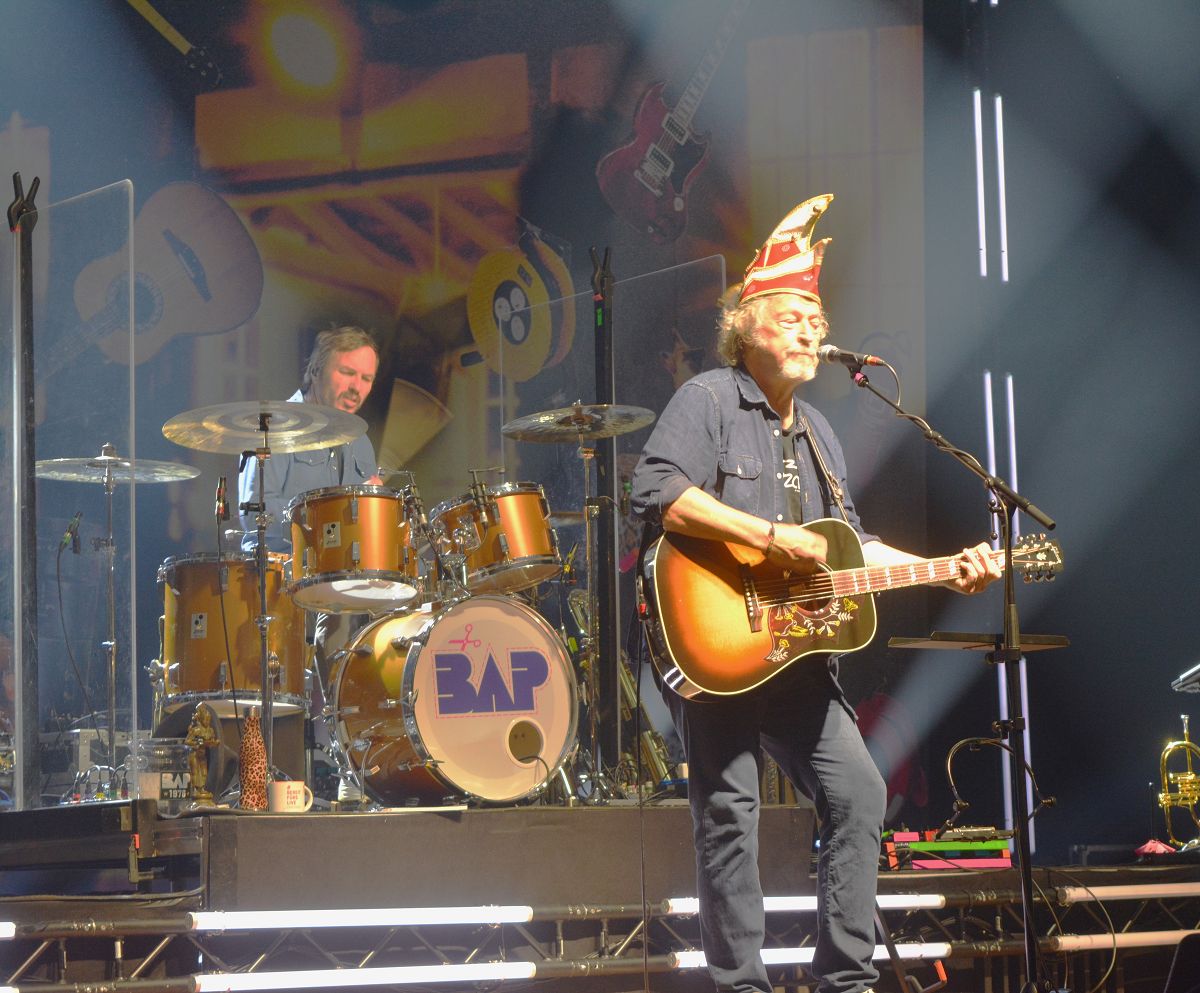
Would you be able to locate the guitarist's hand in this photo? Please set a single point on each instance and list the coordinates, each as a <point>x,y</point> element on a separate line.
<point>977,569</point>
<point>797,548</point>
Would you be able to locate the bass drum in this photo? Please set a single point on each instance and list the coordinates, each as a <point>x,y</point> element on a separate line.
<point>477,701</point>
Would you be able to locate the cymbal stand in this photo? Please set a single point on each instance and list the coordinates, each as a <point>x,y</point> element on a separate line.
<point>261,560</point>
<point>591,639</point>
<point>107,545</point>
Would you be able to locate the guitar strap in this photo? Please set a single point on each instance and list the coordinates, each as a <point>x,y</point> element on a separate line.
<point>831,483</point>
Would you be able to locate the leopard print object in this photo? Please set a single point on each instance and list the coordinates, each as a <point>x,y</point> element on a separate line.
<point>252,764</point>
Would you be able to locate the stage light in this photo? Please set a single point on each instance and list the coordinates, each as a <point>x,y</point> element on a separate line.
<point>255,920</point>
<point>1158,891</point>
<point>220,982</point>
<point>1106,942</point>
<point>8,929</point>
<point>1002,196</point>
<point>977,106</point>
<point>308,51</point>
<point>807,904</point>
<point>804,956</point>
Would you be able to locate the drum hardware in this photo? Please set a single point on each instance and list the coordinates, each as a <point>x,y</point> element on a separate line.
<point>651,747</point>
<point>109,469</point>
<point>231,429</point>
<point>497,539</point>
<point>580,423</point>
<point>1180,789</point>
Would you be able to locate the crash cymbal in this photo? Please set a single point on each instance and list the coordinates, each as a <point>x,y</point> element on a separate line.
<point>579,422</point>
<point>232,428</point>
<point>105,467</point>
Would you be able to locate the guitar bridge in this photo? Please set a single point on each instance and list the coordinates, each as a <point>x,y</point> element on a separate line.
<point>754,611</point>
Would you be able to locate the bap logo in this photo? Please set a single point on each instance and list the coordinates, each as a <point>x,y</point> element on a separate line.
<point>527,668</point>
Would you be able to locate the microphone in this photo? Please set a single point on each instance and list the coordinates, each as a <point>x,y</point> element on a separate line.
<point>71,535</point>
<point>623,500</point>
<point>831,353</point>
<point>221,509</point>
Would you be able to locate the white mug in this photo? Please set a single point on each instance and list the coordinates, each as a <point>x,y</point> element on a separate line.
<point>288,796</point>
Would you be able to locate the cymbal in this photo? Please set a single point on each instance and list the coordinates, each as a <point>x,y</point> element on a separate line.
<point>109,467</point>
<point>578,422</point>
<point>232,428</point>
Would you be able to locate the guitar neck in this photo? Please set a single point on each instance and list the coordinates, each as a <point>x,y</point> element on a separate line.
<point>868,579</point>
<point>877,578</point>
<point>693,93</point>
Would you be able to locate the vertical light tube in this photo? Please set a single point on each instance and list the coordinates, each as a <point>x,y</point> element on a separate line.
<point>1002,197</point>
<point>977,102</point>
<point>1012,447</point>
<point>1001,688</point>
<point>1012,481</point>
<point>989,422</point>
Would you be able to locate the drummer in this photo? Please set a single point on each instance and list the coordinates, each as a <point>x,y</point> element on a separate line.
<point>340,373</point>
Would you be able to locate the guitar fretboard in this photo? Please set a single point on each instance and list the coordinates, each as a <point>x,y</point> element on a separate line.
<point>874,578</point>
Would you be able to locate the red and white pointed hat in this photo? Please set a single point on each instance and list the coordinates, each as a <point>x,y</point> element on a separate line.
<point>788,262</point>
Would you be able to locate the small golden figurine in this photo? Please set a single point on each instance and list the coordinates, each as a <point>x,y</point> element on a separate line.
<point>201,736</point>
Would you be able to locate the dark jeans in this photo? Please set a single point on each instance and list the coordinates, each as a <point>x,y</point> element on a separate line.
<point>801,720</point>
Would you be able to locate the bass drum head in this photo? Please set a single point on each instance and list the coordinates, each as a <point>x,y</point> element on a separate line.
<point>477,700</point>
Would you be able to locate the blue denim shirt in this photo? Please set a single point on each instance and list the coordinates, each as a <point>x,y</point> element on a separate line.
<point>719,433</point>
<point>287,476</point>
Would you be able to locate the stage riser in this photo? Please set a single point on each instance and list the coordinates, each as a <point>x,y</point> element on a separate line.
<point>536,856</point>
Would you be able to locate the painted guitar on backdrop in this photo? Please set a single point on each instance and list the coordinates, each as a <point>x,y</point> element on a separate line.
<point>646,180</point>
<point>725,621</point>
<point>197,272</point>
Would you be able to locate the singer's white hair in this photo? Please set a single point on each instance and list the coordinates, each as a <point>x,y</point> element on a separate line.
<point>737,323</point>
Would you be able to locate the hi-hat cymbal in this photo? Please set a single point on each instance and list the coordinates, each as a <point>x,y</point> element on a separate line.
<point>232,428</point>
<point>109,467</point>
<point>579,422</point>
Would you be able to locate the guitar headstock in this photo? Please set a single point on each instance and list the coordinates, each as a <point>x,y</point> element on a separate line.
<point>1037,558</point>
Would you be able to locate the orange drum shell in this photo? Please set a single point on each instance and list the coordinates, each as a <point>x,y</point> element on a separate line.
<point>379,528</point>
<point>517,515</point>
<point>194,636</point>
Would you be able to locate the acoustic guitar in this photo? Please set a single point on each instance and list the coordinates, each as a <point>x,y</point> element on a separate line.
<point>197,271</point>
<point>724,620</point>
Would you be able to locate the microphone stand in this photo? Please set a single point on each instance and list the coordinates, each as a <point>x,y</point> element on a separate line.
<point>1004,503</point>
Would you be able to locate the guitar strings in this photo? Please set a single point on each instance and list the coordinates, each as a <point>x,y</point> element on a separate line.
<point>774,592</point>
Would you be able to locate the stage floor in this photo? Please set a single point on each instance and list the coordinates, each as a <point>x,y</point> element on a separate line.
<point>114,892</point>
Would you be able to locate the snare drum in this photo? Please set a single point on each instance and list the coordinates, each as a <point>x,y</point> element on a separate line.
<point>195,666</point>
<point>475,701</point>
<point>352,550</point>
<point>506,538</point>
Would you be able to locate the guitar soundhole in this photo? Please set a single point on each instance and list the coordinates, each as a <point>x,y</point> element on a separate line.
<point>811,594</point>
<point>147,301</point>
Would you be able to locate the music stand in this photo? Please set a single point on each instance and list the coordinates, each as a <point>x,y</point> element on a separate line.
<point>1013,730</point>
<point>970,642</point>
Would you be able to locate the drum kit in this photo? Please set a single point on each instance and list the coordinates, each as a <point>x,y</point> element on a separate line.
<point>456,687</point>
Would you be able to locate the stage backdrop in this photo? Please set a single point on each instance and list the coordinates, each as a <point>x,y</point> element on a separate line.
<point>427,170</point>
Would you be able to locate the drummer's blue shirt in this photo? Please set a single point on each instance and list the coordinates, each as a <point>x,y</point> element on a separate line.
<point>285,477</point>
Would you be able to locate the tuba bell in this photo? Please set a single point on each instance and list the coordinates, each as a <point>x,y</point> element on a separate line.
<point>1182,788</point>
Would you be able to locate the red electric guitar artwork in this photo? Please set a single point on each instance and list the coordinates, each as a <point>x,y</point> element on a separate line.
<point>646,180</point>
